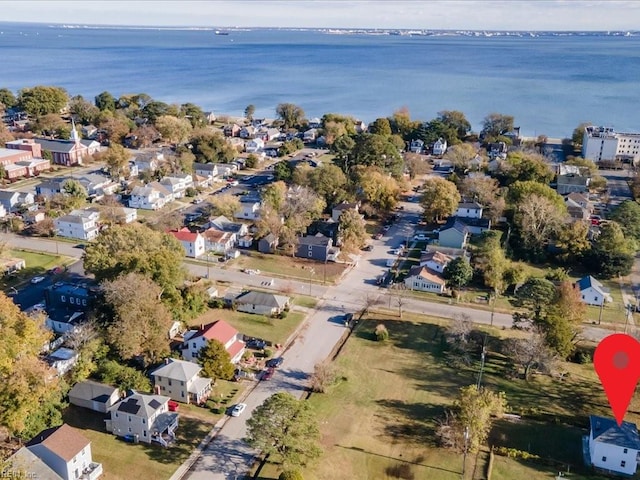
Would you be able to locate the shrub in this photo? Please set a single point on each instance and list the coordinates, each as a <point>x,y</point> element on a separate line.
<point>266,353</point>
<point>382,334</point>
<point>515,453</point>
<point>216,303</point>
<point>283,314</point>
<point>291,475</point>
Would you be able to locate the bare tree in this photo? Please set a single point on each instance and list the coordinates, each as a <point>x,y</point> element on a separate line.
<point>401,299</point>
<point>368,302</point>
<point>324,375</point>
<point>538,217</point>
<point>79,337</point>
<point>458,338</point>
<point>530,354</point>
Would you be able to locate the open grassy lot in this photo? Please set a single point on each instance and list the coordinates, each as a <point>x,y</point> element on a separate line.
<point>286,266</point>
<point>36,264</point>
<point>121,460</point>
<point>380,419</point>
<point>305,301</point>
<point>276,330</point>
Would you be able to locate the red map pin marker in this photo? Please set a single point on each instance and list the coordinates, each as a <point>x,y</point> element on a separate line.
<point>617,363</point>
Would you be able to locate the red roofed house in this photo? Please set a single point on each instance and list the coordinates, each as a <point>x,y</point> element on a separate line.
<point>193,243</point>
<point>195,340</point>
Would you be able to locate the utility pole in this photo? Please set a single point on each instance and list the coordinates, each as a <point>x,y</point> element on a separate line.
<point>493,306</point>
<point>464,452</point>
<point>482,357</point>
<point>311,273</point>
<point>601,309</point>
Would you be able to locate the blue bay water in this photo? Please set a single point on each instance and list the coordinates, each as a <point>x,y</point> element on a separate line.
<point>549,83</point>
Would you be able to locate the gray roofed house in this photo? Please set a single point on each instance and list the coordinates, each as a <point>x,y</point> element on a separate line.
<point>24,460</point>
<point>341,208</point>
<point>180,380</point>
<point>48,188</point>
<point>12,200</point>
<point>94,396</point>
<point>572,183</point>
<point>223,224</point>
<point>453,234</point>
<point>268,243</point>
<point>263,303</point>
<point>316,247</point>
<point>612,447</point>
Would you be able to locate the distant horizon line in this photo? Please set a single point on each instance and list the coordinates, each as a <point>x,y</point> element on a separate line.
<point>240,27</point>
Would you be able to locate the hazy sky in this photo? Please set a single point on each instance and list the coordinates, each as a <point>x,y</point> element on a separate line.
<point>428,14</point>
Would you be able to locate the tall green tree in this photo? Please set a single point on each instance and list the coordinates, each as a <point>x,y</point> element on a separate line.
<point>140,323</point>
<point>215,361</point>
<point>378,189</point>
<point>456,120</point>
<point>612,254</point>
<point>83,111</point>
<point>537,295</point>
<point>329,182</point>
<point>440,198</point>
<point>105,101</point>
<point>496,124</point>
<point>380,126</point>
<point>526,167</point>
<point>627,215</point>
<point>290,114</point>
<point>172,129</point>
<point>578,135</point>
<point>7,98</point>
<point>117,159</point>
<point>194,114</point>
<point>460,155</point>
<point>286,429</point>
<point>249,111</point>
<point>537,220</point>
<point>352,231</point>
<point>41,100</point>
<point>458,272</point>
<point>211,147</point>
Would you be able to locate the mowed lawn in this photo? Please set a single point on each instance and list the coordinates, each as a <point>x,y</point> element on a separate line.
<point>275,330</point>
<point>289,267</point>
<point>379,420</point>
<point>124,461</point>
<point>36,264</point>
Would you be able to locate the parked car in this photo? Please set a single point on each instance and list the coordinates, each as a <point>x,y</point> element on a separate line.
<point>386,228</point>
<point>238,409</point>
<point>268,373</point>
<point>275,362</point>
<point>348,317</point>
<point>256,343</point>
<point>197,201</point>
<point>367,248</point>
<point>420,236</point>
<point>377,236</point>
<point>38,279</point>
<point>56,270</point>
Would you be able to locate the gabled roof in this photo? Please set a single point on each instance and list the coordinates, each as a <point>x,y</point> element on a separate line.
<point>184,235</point>
<point>141,405</point>
<point>427,274</point>
<point>456,224</point>
<point>24,460</point>
<point>64,441</point>
<point>270,238</point>
<point>57,146</point>
<point>216,236</point>
<point>470,205</point>
<point>177,370</point>
<point>319,240</point>
<point>90,390</point>
<point>262,298</point>
<point>436,257</point>
<point>142,191</point>
<point>589,281</point>
<point>578,197</point>
<point>208,167</point>
<point>606,430</point>
<point>218,330</point>
<point>346,206</point>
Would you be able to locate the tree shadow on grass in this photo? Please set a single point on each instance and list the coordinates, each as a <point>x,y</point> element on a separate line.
<point>409,422</point>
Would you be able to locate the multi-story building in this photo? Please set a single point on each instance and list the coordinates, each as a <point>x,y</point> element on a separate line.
<point>604,144</point>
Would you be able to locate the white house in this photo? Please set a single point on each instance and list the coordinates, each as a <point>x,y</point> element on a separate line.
<point>146,418</point>
<point>66,451</point>
<point>263,303</point>
<point>592,292</point>
<point>180,381</point>
<point>149,161</point>
<point>97,185</point>
<point>62,360</point>
<point>425,280</point>
<point>178,183</point>
<point>218,241</point>
<point>310,135</point>
<point>12,200</point>
<point>416,146</point>
<point>249,211</point>
<point>206,170</point>
<point>469,210</point>
<point>193,242</point>
<point>435,261</point>
<point>439,147</point>
<point>94,396</point>
<point>255,145</point>
<point>146,198</point>
<point>79,224</point>
<point>195,340</point>
<point>613,448</point>
<point>339,209</point>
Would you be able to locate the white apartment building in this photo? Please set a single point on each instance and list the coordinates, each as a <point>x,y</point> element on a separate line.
<point>605,144</point>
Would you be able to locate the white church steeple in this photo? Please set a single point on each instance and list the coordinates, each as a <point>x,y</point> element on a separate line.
<point>75,138</point>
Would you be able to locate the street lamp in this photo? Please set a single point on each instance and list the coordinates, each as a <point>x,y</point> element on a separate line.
<point>482,357</point>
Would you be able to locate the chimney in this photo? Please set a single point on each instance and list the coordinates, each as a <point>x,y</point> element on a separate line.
<point>202,326</point>
<point>166,361</point>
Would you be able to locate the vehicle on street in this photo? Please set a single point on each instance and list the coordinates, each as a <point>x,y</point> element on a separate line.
<point>56,270</point>
<point>251,271</point>
<point>270,178</point>
<point>268,373</point>
<point>377,236</point>
<point>367,248</point>
<point>275,362</point>
<point>348,317</point>
<point>238,409</point>
<point>38,279</point>
<point>386,228</point>
<point>197,201</point>
<point>256,343</point>
<point>420,236</point>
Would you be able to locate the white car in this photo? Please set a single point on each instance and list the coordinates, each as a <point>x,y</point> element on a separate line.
<point>35,280</point>
<point>238,409</point>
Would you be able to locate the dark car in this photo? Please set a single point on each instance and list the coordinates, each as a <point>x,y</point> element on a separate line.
<point>256,344</point>
<point>275,362</point>
<point>368,248</point>
<point>348,317</point>
<point>268,373</point>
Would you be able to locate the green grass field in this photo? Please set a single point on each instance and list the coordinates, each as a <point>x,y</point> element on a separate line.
<point>289,267</point>
<point>379,420</point>
<point>36,264</point>
<point>276,330</point>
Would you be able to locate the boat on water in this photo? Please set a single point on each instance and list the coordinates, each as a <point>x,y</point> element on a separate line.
<point>220,32</point>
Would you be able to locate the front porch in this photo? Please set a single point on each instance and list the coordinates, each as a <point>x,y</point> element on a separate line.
<point>163,430</point>
<point>92,472</point>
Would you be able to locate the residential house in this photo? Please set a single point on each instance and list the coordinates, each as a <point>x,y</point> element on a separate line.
<point>49,188</point>
<point>612,447</point>
<point>343,207</point>
<point>218,241</point>
<point>66,306</point>
<point>247,132</point>
<point>181,381</point>
<point>572,183</point>
<point>439,147</point>
<point>148,161</point>
<point>94,396</point>
<point>328,228</point>
<point>361,127</point>
<point>147,198</point>
<point>62,360</point>
<point>497,151</point>
<point>195,340</point>
<point>79,224</point>
<point>592,292</point>
<point>268,243</point>
<point>249,209</point>
<point>310,135</point>
<point>469,210</point>
<point>207,170</point>
<point>576,210</point>
<point>193,242</point>
<point>246,241</point>
<point>416,146</point>
<point>435,261</point>
<point>12,200</point>
<point>210,117</point>
<point>178,183</point>
<point>581,199</point>
<point>97,186</point>
<point>144,418</point>
<point>254,146</point>
<point>31,217</point>
<point>315,122</point>
<point>454,235</point>
<point>232,130</point>
<point>475,226</point>
<point>66,451</point>
<point>316,247</point>
<point>10,265</point>
<point>425,280</point>
<point>262,303</point>
<point>26,461</point>
<point>89,131</point>
<point>226,225</point>
<point>227,169</point>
